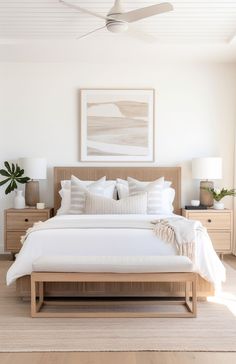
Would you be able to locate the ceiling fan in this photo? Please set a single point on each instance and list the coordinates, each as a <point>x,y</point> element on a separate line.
<point>117,20</point>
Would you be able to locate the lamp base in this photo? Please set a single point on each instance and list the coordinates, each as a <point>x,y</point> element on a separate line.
<point>32,193</point>
<point>206,198</point>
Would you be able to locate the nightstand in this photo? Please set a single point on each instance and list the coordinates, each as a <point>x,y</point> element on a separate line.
<point>18,221</point>
<point>219,224</point>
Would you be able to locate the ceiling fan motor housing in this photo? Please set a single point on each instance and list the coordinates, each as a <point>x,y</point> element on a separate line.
<point>113,24</point>
<point>116,26</point>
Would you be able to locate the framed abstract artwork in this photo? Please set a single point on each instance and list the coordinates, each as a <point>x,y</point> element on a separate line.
<point>117,125</point>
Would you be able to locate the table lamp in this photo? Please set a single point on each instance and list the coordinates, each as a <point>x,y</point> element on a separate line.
<point>206,169</point>
<point>35,169</point>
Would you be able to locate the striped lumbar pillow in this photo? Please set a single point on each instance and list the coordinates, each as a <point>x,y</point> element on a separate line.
<point>154,193</point>
<point>78,193</point>
<point>136,204</point>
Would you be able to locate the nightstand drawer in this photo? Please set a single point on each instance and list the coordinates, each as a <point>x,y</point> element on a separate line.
<point>213,220</point>
<point>22,221</point>
<point>221,240</point>
<point>13,243</point>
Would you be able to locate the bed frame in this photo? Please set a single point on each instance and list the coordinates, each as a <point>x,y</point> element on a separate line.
<point>74,289</point>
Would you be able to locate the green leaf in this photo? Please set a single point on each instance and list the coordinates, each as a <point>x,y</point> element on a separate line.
<point>17,169</point>
<point>7,165</point>
<point>8,189</point>
<point>13,168</point>
<point>4,173</point>
<point>14,185</point>
<point>21,172</point>
<point>4,181</point>
<point>23,179</point>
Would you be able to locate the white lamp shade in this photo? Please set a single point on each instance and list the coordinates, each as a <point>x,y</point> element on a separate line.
<point>35,168</point>
<point>207,168</point>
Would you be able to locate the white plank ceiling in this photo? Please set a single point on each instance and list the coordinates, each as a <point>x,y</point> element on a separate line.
<point>191,21</point>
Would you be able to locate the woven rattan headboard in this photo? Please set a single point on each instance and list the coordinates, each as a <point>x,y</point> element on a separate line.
<point>172,174</point>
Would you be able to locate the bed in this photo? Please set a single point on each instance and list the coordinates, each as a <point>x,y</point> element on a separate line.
<point>104,242</point>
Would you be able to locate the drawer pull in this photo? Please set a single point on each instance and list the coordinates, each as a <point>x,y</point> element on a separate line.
<point>26,220</point>
<point>209,220</point>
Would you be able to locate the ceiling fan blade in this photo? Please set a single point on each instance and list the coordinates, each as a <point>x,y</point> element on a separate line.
<point>93,31</point>
<point>83,10</point>
<point>141,35</point>
<point>146,12</point>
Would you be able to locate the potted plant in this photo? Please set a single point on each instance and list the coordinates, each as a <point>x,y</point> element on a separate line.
<point>218,194</point>
<point>14,175</point>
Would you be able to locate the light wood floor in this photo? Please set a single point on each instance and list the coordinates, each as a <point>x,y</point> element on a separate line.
<point>118,358</point>
<point>124,357</point>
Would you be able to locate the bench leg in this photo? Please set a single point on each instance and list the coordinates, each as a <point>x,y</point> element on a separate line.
<point>194,296</point>
<point>33,297</point>
<point>192,307</point>
<point>41,296</point>
<point>36,306</point>
<point>187,291</point>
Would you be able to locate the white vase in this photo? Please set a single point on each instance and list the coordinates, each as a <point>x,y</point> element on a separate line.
<point>218,205</point>
<point>19,200</point>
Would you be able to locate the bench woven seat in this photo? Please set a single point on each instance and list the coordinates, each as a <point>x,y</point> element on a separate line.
<point>114,264</point>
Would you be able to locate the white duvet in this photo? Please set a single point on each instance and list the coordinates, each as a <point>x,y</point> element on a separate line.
<point>110,242</point>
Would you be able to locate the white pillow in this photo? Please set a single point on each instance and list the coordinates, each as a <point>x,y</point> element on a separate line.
<point>110,187</point>
<point>65,193</point>
<point>168,196</point>
<point>65,202</point>
<point>122,186</point>
<point>136,204</point>
<point>79,190</point>
<point>153,189</point>
<point>66,184</point>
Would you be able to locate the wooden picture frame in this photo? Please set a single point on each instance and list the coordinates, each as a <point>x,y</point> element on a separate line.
<point>117,125</point>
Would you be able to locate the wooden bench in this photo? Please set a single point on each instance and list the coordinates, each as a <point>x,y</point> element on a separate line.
<point>179,271</point>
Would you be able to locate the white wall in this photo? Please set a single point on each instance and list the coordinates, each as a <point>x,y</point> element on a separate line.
<point>195,113</point>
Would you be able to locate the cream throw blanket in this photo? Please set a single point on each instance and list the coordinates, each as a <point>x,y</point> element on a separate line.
<point>179,231</point>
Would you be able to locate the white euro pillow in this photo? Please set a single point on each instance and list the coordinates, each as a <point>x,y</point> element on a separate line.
<point>168,196</point>
<point>122,186</point>
<point>65,202</point>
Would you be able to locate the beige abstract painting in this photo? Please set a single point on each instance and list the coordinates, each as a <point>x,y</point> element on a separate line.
<point>117,125</point>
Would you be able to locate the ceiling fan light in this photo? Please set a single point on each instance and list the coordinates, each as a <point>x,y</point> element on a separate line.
<point>117,26</point>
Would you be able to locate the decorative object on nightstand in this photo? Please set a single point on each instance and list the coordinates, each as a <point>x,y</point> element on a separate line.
<point>218,194</point>
<point>195,203</point>
<point>19,200</point>
<point>40,205</point>
<point>14,175</point>
<point>219,224</point>
<point>18,221</point>
<point>191,207</point>
<point>36,169</point>
<point>206,169</point>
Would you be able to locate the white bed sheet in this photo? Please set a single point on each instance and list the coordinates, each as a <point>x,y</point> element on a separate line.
<point>110,242</point>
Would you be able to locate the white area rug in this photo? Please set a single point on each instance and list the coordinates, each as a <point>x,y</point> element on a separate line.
<point>213,330</point>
